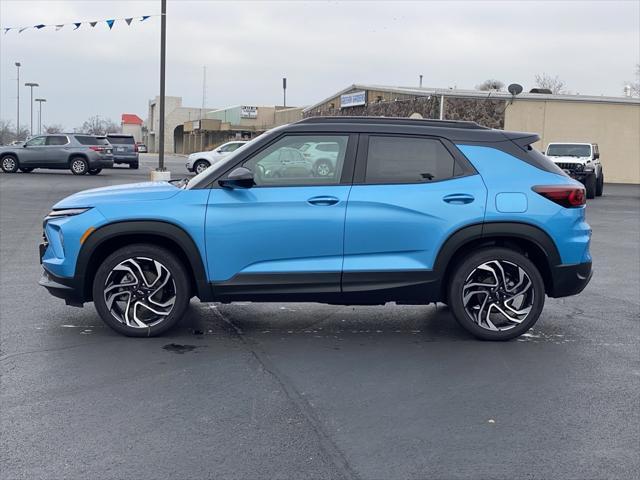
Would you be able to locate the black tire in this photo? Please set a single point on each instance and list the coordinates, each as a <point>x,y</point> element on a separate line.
<point>141,252</point>
<point>26,170</point>
<point>590,185</point>
<point>466,271</point>
<point>201,165</point>
<point>94,171</point>
<point>9,164</point>
<point>78,166</point>
<point>323,168</point>
<point>600,185</point>
<point>134,166</point>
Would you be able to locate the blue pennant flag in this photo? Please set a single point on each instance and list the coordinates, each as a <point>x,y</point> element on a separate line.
<point>39,26</point>
<point>6,29</point>
<point>110,23</point>
<point>23,29</point>
<point>77,24</point>
<point>144,17</point>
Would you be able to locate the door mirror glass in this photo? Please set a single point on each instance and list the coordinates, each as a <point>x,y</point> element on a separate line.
<point>239,178</point>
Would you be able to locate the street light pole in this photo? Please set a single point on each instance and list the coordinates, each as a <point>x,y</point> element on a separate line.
<point>163,42</point>
<point>284,92</point>
<point>31,85</point>
<point>40,101</point>
<point>18,65</point>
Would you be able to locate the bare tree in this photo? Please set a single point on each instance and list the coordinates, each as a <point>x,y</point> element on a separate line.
<point>490,84</point>
<point>99,126</point>
<point>635,85</point>
<point>54,128</point>
<point>8,132</point>
<point>555,84</point>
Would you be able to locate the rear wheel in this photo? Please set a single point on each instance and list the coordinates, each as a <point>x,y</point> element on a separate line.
<point>141,290</point>
<point>134,165</point>
<point>9,164</point>
<point>590,185</point>
<point>496,294</point>
<point>323,168</point>
<point>26,170</point>
<point>78,166</point>
<point>94,171</point>
<point>600,185</point>
<point>200,166</point>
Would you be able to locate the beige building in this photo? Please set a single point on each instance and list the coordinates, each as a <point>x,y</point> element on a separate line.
<point>175,116</point>
<point>611,122</point>
<point>131,124</point>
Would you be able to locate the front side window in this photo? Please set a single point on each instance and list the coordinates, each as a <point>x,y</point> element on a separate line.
<point>407,160</point>
<point>35,142</point>
<point>57,140</point>
<point>232,147</point>
<point>286,163</point>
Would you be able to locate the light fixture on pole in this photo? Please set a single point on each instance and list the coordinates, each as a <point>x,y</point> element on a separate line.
<point>18,65</point>
<point>31,85</point>
<point>284,92</point>
<point>40,101</point>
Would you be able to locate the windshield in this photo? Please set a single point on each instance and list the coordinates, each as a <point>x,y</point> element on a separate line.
<point>568,150</point>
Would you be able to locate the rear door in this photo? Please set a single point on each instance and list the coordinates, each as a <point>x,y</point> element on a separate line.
<point>410,193</point>
<point>56,151</point>
<point>285,234</point>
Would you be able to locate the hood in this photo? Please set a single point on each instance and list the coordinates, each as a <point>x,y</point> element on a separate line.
<point>570,159</point>
<point>132,192</point>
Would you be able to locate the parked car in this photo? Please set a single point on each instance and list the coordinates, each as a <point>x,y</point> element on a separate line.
<point>322,155</point>
<point>125,150</point>
<point>416,211</point>
<point>142,148</point>
<point>580,161</point>
<point>200,161</point>
<point>78,152</point>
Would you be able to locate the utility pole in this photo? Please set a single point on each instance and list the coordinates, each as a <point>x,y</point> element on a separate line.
<point>163,44</point>
<point>284,92</point>
<point>204,90</point>
<point>40,101</point>
<point>18,65</point>
<point>31,85</point>
<point>420,81</point>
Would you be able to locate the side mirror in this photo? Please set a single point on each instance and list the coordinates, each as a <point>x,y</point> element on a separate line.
<point>596,156</point>
<point>24,145</point>
<point>239,178</point>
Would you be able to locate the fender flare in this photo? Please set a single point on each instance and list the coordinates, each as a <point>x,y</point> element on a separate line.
<point>156,228</point>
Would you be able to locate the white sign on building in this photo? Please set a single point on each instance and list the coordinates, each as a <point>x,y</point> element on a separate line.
<point>248,112</point>
<point>353,99</point>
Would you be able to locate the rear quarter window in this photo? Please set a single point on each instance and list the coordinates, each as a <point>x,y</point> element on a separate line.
<point>87,140</point>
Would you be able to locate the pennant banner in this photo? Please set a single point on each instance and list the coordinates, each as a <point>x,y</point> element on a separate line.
<point>76,25</point>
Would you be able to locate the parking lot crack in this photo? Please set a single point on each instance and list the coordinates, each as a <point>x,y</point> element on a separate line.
<point>327,445</point>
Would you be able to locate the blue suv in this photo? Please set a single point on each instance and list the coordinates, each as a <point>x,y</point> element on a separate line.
<point>412,212</point>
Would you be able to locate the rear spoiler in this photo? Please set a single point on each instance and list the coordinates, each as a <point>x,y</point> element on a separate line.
<point>522,139</point>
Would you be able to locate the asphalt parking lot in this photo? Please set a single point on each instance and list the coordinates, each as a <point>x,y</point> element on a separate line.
<point>252,391</point>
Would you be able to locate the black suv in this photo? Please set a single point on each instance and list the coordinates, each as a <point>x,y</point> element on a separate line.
<point>125,149</point>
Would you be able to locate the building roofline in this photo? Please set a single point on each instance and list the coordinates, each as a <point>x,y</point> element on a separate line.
<point>461,93</point>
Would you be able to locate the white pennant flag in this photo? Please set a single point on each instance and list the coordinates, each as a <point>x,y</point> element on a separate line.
<point>58,27</point>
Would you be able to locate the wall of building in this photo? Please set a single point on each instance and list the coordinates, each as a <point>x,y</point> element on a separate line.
<point>614,127</point>
<point>133,129</point>
<point>175,115</point>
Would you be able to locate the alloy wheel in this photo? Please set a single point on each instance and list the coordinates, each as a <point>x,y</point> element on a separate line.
<point>323,169</point>
<point>8,163</point>
<point>201,167</point>
<point>78,166</point>
<point>498,295</point>
<point>140,292</point>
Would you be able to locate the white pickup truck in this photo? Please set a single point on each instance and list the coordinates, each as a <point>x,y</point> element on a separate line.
<point>580,161</point>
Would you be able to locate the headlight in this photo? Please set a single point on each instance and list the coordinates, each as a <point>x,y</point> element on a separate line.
<point>67,212</point>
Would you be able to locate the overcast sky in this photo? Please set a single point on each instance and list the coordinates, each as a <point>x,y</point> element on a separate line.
<point>320,46</point>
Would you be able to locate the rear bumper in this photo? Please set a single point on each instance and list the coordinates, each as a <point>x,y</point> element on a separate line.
<point>129,159</point>
<point>61,287</point>
<point>569,279</point>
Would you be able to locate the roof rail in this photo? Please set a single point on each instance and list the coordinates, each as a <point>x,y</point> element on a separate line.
<point>395,120</point>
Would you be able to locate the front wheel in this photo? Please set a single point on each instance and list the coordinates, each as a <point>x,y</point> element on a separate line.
<point>141,290</point>
<point>9,164</point>
<point>323,168</point>
<point>78,166</point>
<point>94,171</point>
<point>201,166</point>
<point>496,294</point>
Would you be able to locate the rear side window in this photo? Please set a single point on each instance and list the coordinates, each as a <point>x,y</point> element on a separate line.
<point>543,162</point>
<point>87,140</point>
<point>121,140</point>
<point>407,160</point>
<point>57,140</point>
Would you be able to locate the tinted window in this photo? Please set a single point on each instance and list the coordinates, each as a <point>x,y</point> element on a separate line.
<point>283,163</point>
<point>559,150</point>
<point>407,160</point>
<point>57,140</point>
<point>87,140</point>
<point>121,140</point>
<point>102,141</point>
<point>34,142</point>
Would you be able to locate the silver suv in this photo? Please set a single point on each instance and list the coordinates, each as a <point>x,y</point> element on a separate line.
<point>79,153</point>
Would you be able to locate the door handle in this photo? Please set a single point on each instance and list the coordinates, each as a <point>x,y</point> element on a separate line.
<point>459,198</point>
<point>323,200</point>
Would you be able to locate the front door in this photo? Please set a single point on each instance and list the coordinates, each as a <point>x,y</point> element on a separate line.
<point>409,195</point>
<point>33,152</point>
<point>284,235</point>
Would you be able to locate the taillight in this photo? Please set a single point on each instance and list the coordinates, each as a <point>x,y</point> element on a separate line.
<point>97,148</point>
<point>135,147</point>
<point>569,196</point>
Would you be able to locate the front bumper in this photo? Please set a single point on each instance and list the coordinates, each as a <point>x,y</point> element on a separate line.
<point>569,280</point>
<point>61,288</point>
